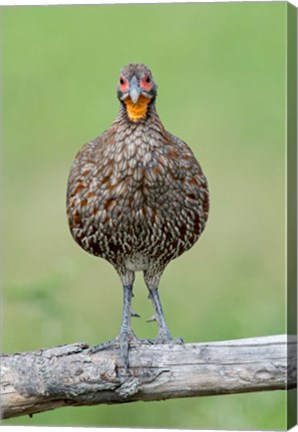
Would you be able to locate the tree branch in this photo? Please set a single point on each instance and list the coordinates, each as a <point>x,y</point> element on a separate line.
<point>68,375</point>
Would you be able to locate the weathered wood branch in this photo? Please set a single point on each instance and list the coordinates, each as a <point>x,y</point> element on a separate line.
<point>68,375</point>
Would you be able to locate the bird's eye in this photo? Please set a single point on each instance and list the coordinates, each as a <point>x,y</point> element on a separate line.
<point>123,84</point>
<point>146,82</point>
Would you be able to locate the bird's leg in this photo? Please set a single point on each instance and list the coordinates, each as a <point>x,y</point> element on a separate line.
<point>164,335</point>
<point>126,335</point>
<point>152,281</point>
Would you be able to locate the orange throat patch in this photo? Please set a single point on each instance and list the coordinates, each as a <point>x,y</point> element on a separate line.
<point>138,110</point>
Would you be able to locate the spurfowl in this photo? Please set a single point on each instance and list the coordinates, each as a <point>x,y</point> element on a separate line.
<point>137,197</point>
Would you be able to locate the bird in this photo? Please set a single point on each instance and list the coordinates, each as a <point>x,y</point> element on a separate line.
<point>138,198</point>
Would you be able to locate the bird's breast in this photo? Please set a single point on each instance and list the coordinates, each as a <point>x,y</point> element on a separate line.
<point>135,196</point>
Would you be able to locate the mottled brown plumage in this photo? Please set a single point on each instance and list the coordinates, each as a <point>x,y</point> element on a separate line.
<point>137,196</point>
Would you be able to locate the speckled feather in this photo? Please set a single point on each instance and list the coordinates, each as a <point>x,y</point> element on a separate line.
<point>137,197</point>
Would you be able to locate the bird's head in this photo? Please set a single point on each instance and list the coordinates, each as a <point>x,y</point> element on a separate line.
<point>136,90</point>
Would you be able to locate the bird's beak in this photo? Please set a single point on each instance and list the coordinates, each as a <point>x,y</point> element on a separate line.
<point>134,90</point>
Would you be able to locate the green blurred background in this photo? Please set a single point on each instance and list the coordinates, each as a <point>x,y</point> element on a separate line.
<point>221,75</point>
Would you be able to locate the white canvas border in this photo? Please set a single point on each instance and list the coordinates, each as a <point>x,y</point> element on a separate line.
<point>98,2</point>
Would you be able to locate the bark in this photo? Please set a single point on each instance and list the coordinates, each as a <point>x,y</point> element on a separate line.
<point>69,375</point>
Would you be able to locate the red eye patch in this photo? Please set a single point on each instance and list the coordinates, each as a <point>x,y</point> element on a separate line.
<point>123,83</point>
<point>146,82</point>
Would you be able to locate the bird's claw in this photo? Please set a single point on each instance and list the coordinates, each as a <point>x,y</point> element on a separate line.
<point>134,314</point>
<point>151,319</point>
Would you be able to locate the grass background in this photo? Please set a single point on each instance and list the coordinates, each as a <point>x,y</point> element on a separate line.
<point>221,75</point>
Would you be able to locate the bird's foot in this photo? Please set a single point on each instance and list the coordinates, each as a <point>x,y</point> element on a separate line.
<point>164,336</point>
<point>123,342</point>
<point>167,339</point>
